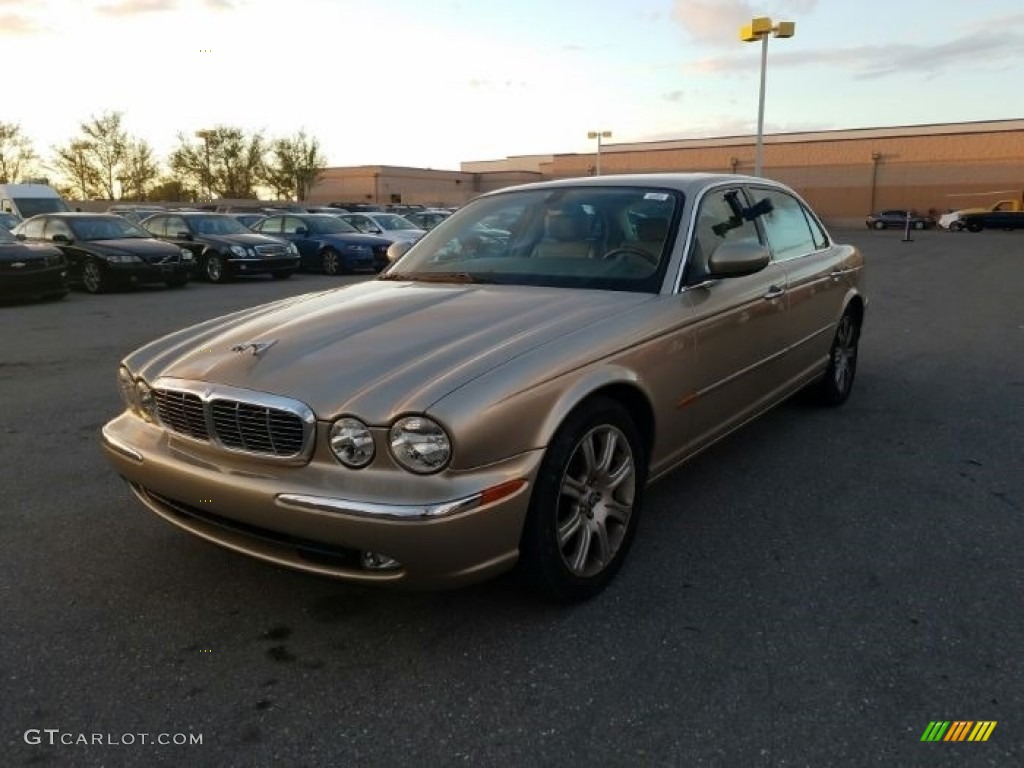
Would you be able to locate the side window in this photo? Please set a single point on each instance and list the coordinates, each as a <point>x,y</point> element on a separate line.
<point>817,231</point>
<point>361,223</point>
<point>291,225</point>
<point>789,234</point>
<point>271,226</point>
<point>57,227</point>
<point>34,229</point>
<point>716,223</point>
<point>173,225</point>
<point>157,226</point>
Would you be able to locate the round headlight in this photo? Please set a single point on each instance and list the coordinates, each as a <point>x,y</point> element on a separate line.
<point>147,402</point>
<point>126,385</point>
<point>238,251</point>
<point>351,442</point>
<point>419,444</point>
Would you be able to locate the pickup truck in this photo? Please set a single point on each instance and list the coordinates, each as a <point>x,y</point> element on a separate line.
<point>976,222</point>
<point>953,221</point>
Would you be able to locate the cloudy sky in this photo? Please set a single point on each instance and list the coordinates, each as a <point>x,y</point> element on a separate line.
<point>434,82</point>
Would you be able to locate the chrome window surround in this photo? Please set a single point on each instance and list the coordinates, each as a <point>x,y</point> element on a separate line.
<point>208,393</point>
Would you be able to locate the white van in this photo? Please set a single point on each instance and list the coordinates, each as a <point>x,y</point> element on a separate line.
<point>26,200</point>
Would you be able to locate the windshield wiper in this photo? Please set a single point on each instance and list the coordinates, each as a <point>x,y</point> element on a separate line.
<point>437,277</point>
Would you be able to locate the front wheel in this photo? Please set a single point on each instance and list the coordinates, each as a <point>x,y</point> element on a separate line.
<point>973,226</point>
<point>331,262</point>
<point>879,225</point>
<point>586,503</point>
<point>93,279</point>
<point>835,386</point>
<point>213,268</point>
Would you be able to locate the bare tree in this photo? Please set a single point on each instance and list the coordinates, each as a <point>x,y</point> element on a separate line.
<point>138,171</point>
<point>226,162</point>
<point>108,147</point>
<point>17,157</point>
<point>73,162</point>
<point>296,164</point>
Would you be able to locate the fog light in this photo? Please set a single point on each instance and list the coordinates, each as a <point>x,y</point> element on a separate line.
<point>375,561</point>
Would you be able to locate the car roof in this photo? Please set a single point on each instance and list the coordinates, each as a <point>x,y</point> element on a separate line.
<point>687,183</point>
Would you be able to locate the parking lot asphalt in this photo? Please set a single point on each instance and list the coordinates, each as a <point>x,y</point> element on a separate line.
<point>812,591</point>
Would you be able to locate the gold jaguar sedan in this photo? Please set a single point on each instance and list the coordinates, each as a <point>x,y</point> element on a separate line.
<point>504,392</point>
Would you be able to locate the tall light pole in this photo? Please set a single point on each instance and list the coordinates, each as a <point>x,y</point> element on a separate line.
<point>598,135</point>
<point>206,135</point>
<point>761,29</point>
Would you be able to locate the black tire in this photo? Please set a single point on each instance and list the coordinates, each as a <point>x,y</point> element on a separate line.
<point>879,225</point>
<point>600,500</point>
<point>973,226</point>
<point>956,226</point>
<point>214,269</point>
<point>94,280</point>
<point>330,262</point>
<point>836,383</point>
<point>282,275</point>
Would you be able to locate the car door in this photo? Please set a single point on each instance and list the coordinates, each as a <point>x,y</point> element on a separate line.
<point>75,255</point>
<point>814,278</point>
<point>178,231</point>
<point>738,323</point>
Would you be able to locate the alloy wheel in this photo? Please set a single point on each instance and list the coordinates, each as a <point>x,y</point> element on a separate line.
<point>92,278</point>
<point>844,354</point>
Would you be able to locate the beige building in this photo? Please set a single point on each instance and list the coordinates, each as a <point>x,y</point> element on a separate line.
<point>844,174</point>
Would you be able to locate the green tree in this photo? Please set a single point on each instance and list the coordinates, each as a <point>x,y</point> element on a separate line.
<point>108,144</point>
<point>171,190</point>
<point>138,171</point>
<point>73,162</point>
<point>295,165</point>
<point>17,157</point>
<point>225,162</point>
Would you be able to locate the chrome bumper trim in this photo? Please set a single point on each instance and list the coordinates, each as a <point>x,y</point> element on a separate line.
<point>374,511</point>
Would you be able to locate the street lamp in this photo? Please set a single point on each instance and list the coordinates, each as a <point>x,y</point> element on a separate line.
<point>599,135</point>
<point>761,29</point>
<point>206,135</point>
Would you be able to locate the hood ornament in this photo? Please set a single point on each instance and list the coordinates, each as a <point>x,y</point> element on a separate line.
<point>257,348</point>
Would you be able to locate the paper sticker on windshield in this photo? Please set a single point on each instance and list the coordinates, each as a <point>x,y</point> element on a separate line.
<point>662,196</point>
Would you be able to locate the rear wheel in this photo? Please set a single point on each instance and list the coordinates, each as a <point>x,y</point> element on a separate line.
<point>973,226</point>
<point>879,225</point>
<point>93,279</point>
<point>586,503</point>
<point>835,386</point>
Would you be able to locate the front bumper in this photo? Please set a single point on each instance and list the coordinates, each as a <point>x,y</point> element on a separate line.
<point>144,274</point>
<point>321,517</point>
<point>32,282</point>
<point>246,266</point>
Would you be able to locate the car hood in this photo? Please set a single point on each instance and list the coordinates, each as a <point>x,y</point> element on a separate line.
<point>146,249</point>
<point>20,251</point>
<point>243,238</point>
<point>381,348</point>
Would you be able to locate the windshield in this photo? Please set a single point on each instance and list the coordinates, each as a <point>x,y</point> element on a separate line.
<point>33,206</point>
<point>111,227</point>
<point>391,222</point>
<point>217,225</point>
<point>6,236</point>
<point>328,224</point>
<point>9,221</point>
<point>612,238</point>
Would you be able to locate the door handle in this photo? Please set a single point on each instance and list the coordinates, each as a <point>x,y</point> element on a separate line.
<point>773,293</point>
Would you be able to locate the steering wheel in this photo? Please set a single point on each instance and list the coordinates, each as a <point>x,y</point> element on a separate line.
<point>618,253</point>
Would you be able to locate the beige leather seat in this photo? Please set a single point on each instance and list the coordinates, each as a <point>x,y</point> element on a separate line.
<point>565,236</point>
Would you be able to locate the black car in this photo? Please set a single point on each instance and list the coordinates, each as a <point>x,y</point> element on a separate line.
<point>223,247</point>
<point>327,244</point>
<point>29,270</point>
<point>897,219</point>
<point>105,250</point>
<point>9,221</point>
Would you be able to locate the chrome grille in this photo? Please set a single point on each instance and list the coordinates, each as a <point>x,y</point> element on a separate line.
<point>272,250</point>
<point>182,412</point>
<point>237,419</point>
<point>256,428</point>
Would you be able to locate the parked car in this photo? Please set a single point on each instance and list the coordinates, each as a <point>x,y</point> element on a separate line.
<point>27,200</point>
<point>329,209</point>
<point>327,244</point>
<point>1007,220</point>
<point>474,407</point>
<point>390,226</point>
<point>897,219</point>
<point>104,250</point>
<point>9,221</point>
<point>358,207</point>
<point>31,270</point>
<point>223,247</point>
<point>136,214</point>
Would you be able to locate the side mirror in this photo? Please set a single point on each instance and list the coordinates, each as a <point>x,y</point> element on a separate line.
<point>59,238</point>
<point>301,232</point>
<point>737,259</point>
<point>397,250</point>
<point>184,235</point>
